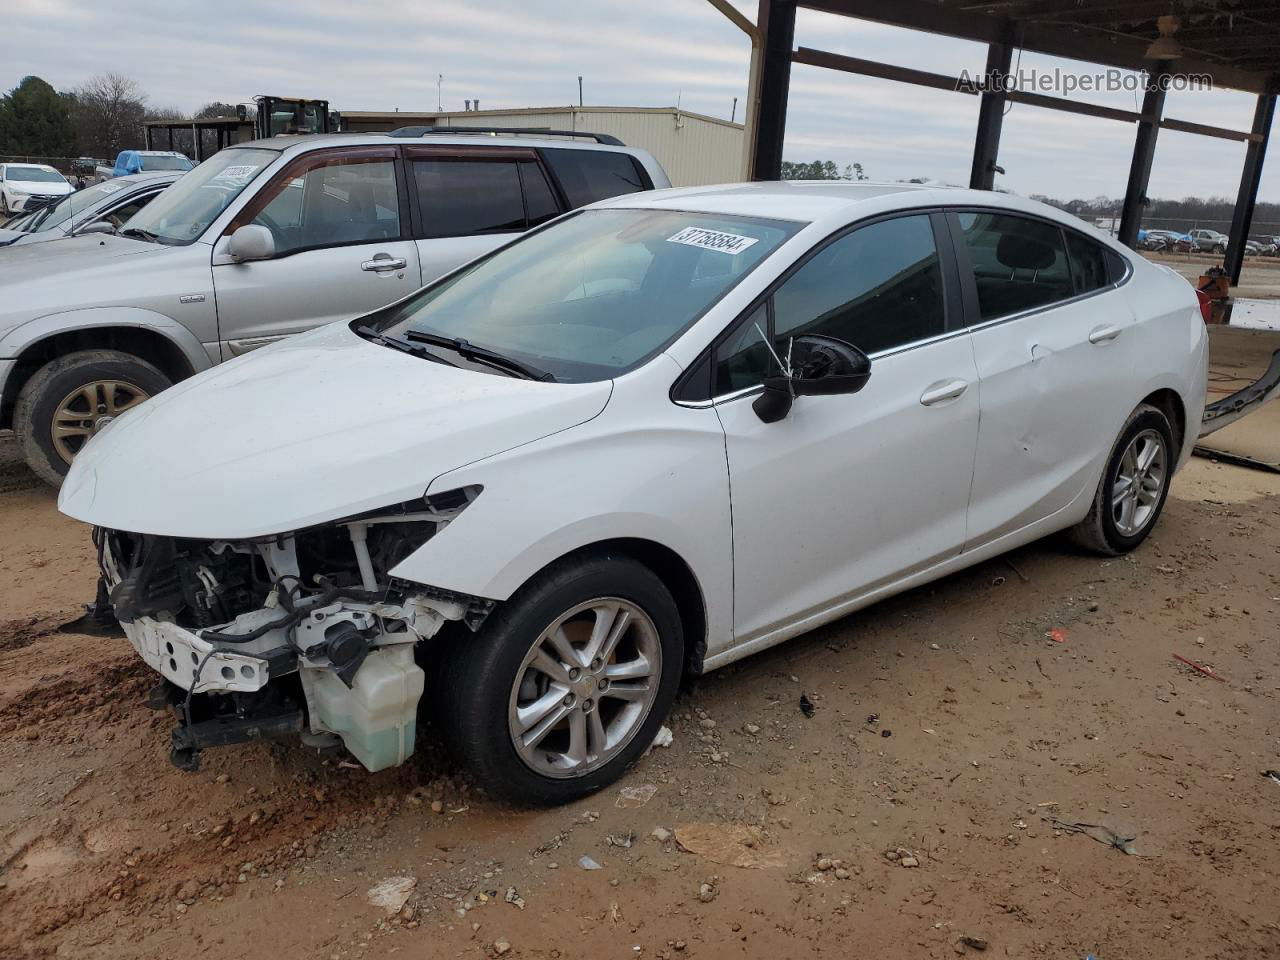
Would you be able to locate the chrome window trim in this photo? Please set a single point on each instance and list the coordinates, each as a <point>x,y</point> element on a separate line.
<point>1078,298</point>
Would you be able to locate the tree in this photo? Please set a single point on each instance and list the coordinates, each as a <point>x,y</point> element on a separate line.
<point>821,170</point>
<point>108,115</point>
<point>35,121</point>
<point>219,109</point>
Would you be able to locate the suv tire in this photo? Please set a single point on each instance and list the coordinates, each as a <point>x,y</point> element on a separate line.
<point>490,690</point>
<point>1131,494</point>
<point>119,380</point>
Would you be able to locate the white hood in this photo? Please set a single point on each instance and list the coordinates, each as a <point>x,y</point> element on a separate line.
<point>308,430</point>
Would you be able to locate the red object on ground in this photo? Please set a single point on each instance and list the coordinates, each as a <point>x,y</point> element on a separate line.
<point>1057,635</point>
<point>1198,666</point>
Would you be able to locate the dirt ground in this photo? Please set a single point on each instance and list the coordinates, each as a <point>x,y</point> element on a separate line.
<point>912,810</point>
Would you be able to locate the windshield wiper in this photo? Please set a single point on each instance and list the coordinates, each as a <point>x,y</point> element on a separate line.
<point>404,346</point>
<point>135,232</point>
<point>470,351</point>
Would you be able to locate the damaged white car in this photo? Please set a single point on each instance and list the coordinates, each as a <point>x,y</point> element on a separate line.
<point>640,442</point>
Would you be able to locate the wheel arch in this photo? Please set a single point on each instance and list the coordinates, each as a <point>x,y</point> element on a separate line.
<point>176,358</point>
<point>1170,403</point>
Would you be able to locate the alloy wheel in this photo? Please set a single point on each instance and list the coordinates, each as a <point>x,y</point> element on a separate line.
<point>89,408</point>
<point>585,688</point>
<point>1139,483</point>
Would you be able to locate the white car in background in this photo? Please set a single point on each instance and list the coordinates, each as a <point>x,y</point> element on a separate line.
<point>25,186</point>
<point>644,440</point>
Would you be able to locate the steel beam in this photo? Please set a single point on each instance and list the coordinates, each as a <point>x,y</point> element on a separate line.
<point>1250,177</point>
<point>986,145</point>
<point>1144,151</point>
<point>777,26</point>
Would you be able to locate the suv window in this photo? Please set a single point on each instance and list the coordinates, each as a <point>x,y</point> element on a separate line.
<point>590,175</point>
<point>462,197</point>
<point>878,287</point>
<point>1088,263</point>
<point>540,203</point>
<point>340,200</point>
<point>1018,263</point>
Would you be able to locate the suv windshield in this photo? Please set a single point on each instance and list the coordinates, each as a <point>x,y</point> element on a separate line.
<point>33,175</point>
<point>165,163</point>
<point>595,294</point>
<point>55,214</point>
<point>185,210</point>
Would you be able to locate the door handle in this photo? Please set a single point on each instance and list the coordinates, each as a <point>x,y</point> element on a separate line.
<point>942,391</point>
<point>1104,334</point>
<point>383,262</point>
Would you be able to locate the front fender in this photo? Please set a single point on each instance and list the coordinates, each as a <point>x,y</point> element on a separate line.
<point>28,334</point>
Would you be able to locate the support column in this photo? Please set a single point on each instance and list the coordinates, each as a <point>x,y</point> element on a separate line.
<point>1144,151</point>
<point>1247,197</point>
<point>777,25</point>
<point>146,136</point>
<point>986,146</point>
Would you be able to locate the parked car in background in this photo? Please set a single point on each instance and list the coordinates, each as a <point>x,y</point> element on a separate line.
<point>145,161</point>
<point>1165,240</point>
<point>526,467</point>
<point>1210,241</point>
<point>263,240</point>
<point>103,207</point>
<point>25,186</point>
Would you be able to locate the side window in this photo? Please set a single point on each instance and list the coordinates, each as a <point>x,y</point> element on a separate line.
<point>590,175</point>
<point>878,287</point>
<point>1018,263</point>
<point>1088,263</point>
<point>539,201</point>
<point>345,200</point>
<point>120,214</point>
<point>458,198</point>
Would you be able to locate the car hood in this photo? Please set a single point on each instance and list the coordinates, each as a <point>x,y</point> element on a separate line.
<point>8,236</point>
<point>311,429</point>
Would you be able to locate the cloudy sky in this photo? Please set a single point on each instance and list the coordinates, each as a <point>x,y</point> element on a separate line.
<point>519,53</point>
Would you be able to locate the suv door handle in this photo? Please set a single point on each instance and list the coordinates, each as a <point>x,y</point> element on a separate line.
<point>942,391</point>
<point>382,262</point>
<point>1104,334</point>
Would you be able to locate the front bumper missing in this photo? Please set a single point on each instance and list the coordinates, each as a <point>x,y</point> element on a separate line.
<point>191,663</point>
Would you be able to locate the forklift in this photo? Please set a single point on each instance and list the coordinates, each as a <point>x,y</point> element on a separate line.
<point>277,115</point>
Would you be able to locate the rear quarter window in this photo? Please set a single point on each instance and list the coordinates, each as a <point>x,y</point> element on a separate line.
<point>586,176</point>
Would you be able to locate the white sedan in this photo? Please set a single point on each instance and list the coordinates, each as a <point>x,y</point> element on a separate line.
<point>650,438</point>
<point>25,186</point>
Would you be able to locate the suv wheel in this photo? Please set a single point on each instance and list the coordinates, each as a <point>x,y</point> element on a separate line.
<point>566,684</point>
<point>1134,485</point>
<point>71,398</point>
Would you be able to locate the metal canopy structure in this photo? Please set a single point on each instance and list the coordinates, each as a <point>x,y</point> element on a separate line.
<point>226,131</point>
<point>1235,43</point>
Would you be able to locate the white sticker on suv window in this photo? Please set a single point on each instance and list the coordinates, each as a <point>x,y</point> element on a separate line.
<point>730,243</point>
<point>238,174</point>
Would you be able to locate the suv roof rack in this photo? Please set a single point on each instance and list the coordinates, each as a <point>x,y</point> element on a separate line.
<point>419,131</point>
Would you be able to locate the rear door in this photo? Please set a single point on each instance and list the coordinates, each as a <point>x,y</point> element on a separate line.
<point>340,222</point>
<point>468,200</point>
<point>1049,337</point>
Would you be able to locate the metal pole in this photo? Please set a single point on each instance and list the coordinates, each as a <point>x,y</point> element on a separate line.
<point>1250,177</point>
<point>579,91</point>
<point>1144,151</point>
<point>439,84</point>
<point>777,25</point>
<point>752,106</point>
<point>733,113</point>
<point>986,146</point>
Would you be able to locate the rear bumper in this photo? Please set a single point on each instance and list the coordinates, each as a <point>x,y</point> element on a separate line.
<point>1230,409</point>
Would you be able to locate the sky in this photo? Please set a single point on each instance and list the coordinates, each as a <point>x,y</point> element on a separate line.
<point>521,53</point>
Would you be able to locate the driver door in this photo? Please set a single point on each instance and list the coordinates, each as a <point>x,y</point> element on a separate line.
<point>850,492</point>
<point>339,219</point>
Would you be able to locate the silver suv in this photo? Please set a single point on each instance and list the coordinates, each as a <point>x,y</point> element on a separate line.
<point>262,240</point>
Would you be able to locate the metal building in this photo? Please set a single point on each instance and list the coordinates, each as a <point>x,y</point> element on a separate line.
<point>693,148</point>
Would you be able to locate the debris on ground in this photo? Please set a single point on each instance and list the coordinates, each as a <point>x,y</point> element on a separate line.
<point>1057,634</point>
<point>806,706</point>
<point>974,943</point>
<point>1098,831</point>
<point>623,840</point>
<point>635,796</point>
<point>661,834</point>
<point>1273,775</point>
<point>392,893</point>
<point>514,898</point>
<point>732,845</point>
<point>1207,671</point>
<point>586,863</point>
<point>902,857</point>
<point>707,892</point>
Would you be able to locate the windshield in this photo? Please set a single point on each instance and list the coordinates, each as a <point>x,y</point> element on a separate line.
<point>55,214</point>
<point>33,175</point>
<point>165,163</point>
<point>596,294</point>
<point>185,210</point>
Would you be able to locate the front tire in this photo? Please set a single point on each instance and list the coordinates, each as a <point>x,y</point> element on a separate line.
<point>1134,485</point>
<point>566,684</point>
<point>71,398</point>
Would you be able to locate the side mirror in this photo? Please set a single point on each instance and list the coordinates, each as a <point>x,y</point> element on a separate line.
<point>98,226</point>
<point>251,242</point>
<point>820,366</point>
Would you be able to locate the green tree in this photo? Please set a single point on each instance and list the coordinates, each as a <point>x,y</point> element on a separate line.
<point>35,121</point>
<point>821,170</point>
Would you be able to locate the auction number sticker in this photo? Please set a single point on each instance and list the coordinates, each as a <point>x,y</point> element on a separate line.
<point>238,174</point>
<point>730,243</point>
<point>110,187</point>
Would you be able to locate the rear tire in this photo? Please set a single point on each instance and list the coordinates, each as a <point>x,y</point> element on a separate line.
<point>60,389</point>
<point>513,726</point>
<point>1132,490</point>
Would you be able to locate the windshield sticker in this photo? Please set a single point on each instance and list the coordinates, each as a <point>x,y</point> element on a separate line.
<point>240,174</point>
<point>730,243</point>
